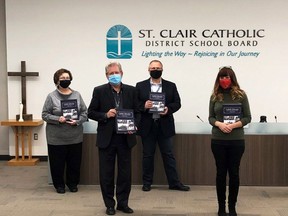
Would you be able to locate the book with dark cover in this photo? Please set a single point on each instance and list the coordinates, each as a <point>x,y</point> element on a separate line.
<point>232,113</point>
<point>158,100</point>
<point>125,121</point>
<point>70,109</point>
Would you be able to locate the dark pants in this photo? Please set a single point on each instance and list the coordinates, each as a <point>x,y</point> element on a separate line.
<point>166,149</point>
<point>227,154</point>
<point>61,156</point>
<point>119,149</point>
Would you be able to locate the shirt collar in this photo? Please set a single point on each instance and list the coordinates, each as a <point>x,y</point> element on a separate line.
<point>155,83</point>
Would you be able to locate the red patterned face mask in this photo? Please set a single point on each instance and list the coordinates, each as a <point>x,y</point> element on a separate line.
<point>225,83</point>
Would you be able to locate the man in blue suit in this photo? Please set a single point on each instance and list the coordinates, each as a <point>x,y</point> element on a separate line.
<point>158,127</point>
<point>106,101</point>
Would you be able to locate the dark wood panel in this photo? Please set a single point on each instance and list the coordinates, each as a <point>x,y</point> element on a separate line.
<point>264,162</point>
<point>90,164</point>
<point>194,158</point>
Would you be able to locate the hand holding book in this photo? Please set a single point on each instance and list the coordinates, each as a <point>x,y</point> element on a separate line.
<point>224,127</point>
<point>165,111</point>
<point>71,122</point>
<point>125,122</point>
<point>232,113</point>
<point>111,113</point>
<point>158,102</point>
<point>70,109</point>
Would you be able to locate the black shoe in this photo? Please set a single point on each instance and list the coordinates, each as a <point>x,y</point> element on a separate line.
<point>222,209</point>
<point>180,187</point>
<point>60,190</point>
<point>125,209</point>
<point>73,189</point>
<point>146,188</point>
<point>110,211</point>
<point>232,210</point>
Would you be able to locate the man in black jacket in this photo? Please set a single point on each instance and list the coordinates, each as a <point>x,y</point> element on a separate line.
<point>158,127</point>
<point>107,100</point>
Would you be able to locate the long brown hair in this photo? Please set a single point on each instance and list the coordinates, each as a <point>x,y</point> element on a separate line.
<point>235,91</point>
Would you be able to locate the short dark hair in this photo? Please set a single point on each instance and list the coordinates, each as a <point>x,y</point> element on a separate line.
<point>59,72</point>
<point>156,61</point>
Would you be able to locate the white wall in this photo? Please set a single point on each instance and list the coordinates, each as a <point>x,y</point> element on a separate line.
<point>71,34</point>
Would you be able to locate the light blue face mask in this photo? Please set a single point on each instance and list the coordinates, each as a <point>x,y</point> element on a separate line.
<point>115,79</point>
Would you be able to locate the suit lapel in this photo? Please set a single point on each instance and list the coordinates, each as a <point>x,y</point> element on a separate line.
<point>109,95</point>
<point>164,86</point>
<point>147,88</point>
<point>124,96</point>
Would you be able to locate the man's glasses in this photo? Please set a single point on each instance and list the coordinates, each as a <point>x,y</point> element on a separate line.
<point>112,73</point>
<point>155,68</point>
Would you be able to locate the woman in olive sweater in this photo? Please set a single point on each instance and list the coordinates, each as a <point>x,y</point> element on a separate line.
<point>228,112</point>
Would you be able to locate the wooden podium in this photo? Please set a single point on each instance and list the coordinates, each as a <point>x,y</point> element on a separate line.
<point>21,130</point>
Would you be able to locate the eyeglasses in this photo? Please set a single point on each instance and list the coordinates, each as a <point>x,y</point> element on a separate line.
<point>113,72</point>
<point>229,67</point>
<point>64,78</point>
<point>156,68</point>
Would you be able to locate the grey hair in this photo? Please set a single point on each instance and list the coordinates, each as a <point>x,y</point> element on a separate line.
<point>111,64</point>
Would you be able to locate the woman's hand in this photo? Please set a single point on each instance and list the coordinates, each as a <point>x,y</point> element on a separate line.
<point>225,128</point>
<point>62,119</point>
<point>71,122</point>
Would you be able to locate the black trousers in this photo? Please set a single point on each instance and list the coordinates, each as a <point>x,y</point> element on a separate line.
<point>227,154</point>
<point>118,149</point>
<point>166,148</point>
<point>65,156</point>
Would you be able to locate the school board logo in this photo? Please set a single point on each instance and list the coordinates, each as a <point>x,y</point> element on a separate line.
<point>119,42</point>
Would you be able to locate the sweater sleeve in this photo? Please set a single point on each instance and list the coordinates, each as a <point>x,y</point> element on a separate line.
<point>47,111</point>
<point>83,112</point>
<point>246,118</point>
<point>212,115</point>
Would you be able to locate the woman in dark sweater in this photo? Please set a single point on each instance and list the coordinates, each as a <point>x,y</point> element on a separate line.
<point>228,112</point>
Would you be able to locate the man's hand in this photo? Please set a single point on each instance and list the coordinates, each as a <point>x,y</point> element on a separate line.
<point>165,111</point>
<point>148,104</point>
<point>111,113</point>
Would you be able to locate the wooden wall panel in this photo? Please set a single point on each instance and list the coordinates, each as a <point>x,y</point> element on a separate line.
<point>264,163</point>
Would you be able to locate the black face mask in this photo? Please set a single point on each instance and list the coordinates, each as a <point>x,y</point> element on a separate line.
<point>65,83</point>
<point>155,74</point>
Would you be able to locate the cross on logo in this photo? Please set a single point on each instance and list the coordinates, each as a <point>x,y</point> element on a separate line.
<point>119,42</point>
<point>119,39</point>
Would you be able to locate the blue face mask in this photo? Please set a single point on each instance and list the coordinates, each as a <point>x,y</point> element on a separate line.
<point>115,79</point>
